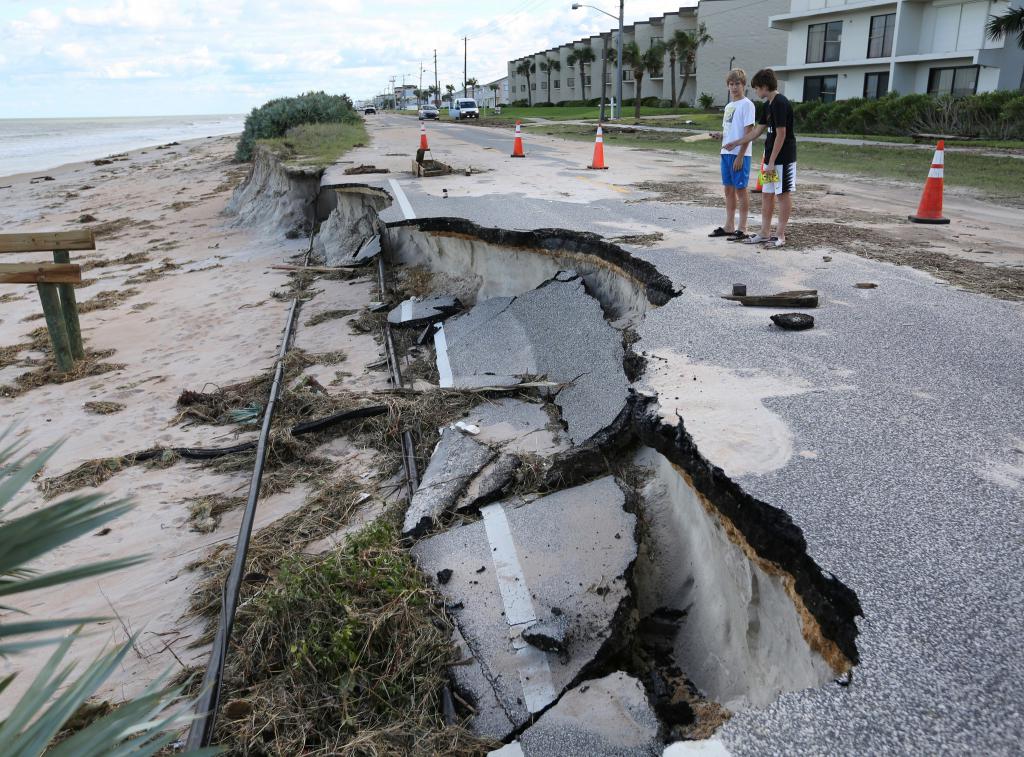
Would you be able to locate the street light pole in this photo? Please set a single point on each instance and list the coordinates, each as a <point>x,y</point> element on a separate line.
<point>618,68</point>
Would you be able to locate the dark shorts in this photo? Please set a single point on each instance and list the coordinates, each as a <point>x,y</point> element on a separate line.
<point>731,178</point>
<point>786,182</point>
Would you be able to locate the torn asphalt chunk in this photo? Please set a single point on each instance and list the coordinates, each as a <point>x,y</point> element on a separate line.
<point>456,460</point>
<point>545,555</point>
<point>609,717</point>
<point>417,313</point>
<point>556,330</point>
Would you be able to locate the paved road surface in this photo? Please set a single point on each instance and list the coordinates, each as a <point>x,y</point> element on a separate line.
<point>905,406</point>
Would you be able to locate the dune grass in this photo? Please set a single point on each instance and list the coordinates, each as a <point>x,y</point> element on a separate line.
<point>317,145</point>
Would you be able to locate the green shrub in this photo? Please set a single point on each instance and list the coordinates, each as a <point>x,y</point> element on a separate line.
<point>993,115</point>
<point>707,101</point>
<point>274,118</point>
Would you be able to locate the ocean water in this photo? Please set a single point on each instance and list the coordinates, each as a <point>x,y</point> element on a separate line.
<point>36,144</point>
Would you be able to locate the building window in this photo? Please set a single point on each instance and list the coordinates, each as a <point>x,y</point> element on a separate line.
<point>533,86</point>
<point>627,74</point>
<point>655,40</point>
<point>958,81</point>
<point>522,87</point>
<point>880,35</point>
<point>821,88</point>
<point>823,41</point>
<point>570,82</point>
<point>543,85</point>
<point>586,80</point>
<point>876,85</point>
<point>557,84</point>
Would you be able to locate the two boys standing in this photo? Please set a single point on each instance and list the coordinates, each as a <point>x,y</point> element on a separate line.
<point>778,176</point>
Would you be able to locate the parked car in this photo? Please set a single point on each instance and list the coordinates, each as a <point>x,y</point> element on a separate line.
<point>369,110</point>
<point>464,107</point>
<point>428,111</point>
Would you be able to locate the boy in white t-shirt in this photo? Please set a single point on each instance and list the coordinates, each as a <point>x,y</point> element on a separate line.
<point>737,121</point>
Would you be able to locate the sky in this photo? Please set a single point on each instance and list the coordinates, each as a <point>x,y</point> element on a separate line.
<point>94,58</point>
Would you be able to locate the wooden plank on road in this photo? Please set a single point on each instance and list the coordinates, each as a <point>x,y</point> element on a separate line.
<point>45,241</point>
<point>40,273</point>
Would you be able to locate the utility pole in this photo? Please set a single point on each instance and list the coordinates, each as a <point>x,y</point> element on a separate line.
<point>394,95</point>
<point>465,59</point>
<point>437,84</point>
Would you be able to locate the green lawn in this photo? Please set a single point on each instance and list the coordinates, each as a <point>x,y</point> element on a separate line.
<point>317,145</point>
<point>1000,178</point>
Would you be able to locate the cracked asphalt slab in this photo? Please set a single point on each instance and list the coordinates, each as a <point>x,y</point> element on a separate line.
<point>906,470</point>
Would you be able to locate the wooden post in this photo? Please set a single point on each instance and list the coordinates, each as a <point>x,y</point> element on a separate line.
<point>69,307</point>
<point>50,298</point>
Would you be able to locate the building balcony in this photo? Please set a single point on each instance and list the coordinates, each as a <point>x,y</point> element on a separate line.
<point>881,61</point>
<point>785,21</point>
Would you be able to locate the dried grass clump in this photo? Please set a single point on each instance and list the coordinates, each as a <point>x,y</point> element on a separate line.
<point>153,274</point>
<point>132,258</point>
<point>89,366</point>
<point>204,513</point>
<point>329,358</point>
<point>97,471</point>
<point>368,322</point>
<point>343,654</point>
<point>415,280</point>
<point>329,315</point>
<point>104,408</point>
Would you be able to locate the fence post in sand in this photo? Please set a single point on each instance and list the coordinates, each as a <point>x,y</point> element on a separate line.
<point>69,307</point>
<point>50,298</point>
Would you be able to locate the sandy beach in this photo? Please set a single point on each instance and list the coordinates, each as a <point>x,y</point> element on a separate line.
<point>193,310</point>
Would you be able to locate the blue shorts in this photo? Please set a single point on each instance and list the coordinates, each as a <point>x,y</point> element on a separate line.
<point>731,178</point>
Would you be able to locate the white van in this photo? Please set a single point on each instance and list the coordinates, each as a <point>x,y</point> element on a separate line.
<point>464,107</point>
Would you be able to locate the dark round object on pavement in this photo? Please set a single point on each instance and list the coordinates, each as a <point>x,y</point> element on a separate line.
<point>793,321</point>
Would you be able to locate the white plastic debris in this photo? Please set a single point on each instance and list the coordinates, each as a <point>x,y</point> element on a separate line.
<point>466,428</point>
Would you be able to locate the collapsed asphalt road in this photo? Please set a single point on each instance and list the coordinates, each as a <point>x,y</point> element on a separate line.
<point>891,433</point>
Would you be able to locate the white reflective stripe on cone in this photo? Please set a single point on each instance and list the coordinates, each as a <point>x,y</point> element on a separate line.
<point>939,155</point>
<point>935,173</point>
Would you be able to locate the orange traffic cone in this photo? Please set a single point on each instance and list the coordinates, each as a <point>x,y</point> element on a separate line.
<point>423,137</point>
<point>599,150</point>
<point>930,208</point>
<point>757,187</point>
<point>517,146</point>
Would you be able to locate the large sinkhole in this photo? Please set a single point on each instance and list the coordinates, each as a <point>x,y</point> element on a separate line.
<point>581,540</point>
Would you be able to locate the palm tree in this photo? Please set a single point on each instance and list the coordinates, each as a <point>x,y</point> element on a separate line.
<point>649,61</point>
<point>525,68</point>
<point>547,66</point>
<point>584,56</point>
<point>494,91</point>
<point>433,91</point>
<point>141,726</point>
<point>450,89</point>
<point>472,82</point>
<point>689,43</point>
<point>1011,22</point>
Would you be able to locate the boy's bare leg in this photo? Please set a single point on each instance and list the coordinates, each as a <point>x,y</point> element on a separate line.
<point>730,207</point>
<point>743,202</point>
<point>785,208</point>
<point>767,208</point>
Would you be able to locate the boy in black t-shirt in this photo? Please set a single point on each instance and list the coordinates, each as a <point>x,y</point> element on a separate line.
<point>779,177</point>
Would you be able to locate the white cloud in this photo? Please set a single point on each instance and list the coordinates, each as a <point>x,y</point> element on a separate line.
<point>238,53</point>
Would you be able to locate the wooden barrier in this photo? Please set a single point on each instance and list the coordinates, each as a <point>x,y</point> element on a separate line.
<point>55,282</point>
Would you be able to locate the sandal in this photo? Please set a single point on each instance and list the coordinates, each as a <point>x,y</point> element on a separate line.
<point>740,236</point>
<point>755,239</point>
<point>775,242</point>
<point>720,232</point>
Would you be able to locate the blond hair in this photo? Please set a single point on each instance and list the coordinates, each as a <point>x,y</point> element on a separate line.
<point>737,74</point>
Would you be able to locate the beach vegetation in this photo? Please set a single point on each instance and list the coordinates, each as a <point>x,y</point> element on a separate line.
<point>56,707</point>
<point>276,117</point>
<point>317,145</point>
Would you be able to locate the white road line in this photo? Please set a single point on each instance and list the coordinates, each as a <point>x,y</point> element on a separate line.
<point>403,201</point>
<point>534,670</point>
<point>444,367</point>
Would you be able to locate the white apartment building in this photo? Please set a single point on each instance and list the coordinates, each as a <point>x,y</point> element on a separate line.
<point>583,82</point>
<point>840,49</point>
